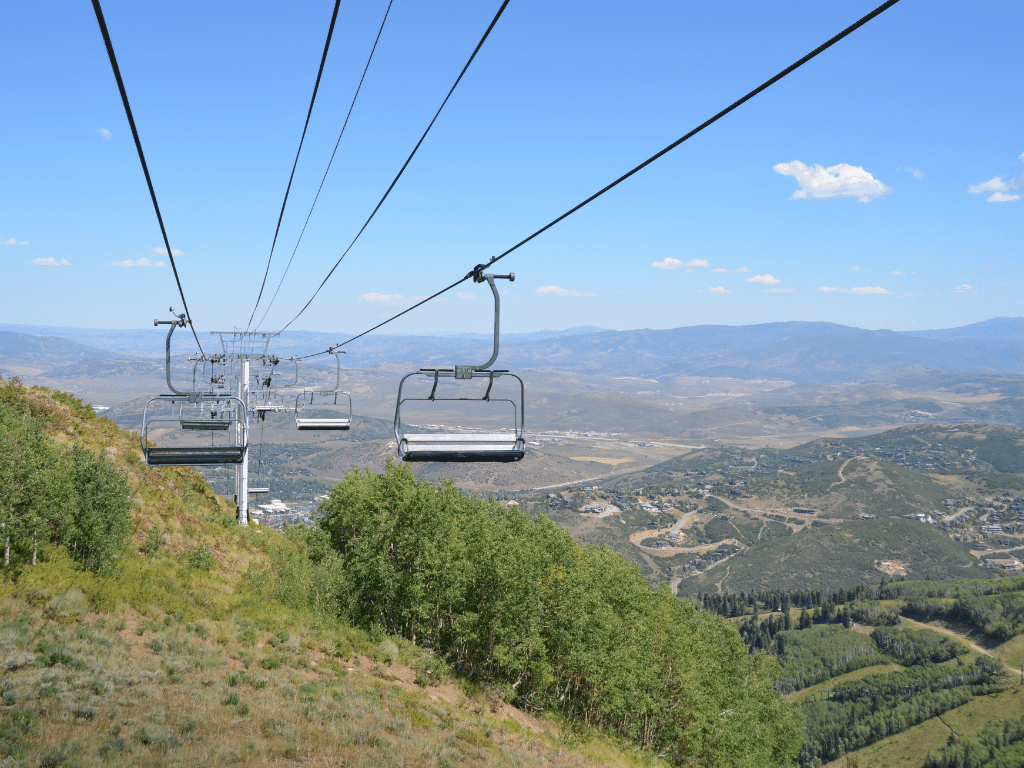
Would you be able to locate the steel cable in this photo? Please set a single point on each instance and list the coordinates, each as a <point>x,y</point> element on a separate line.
<point>480,267</point>
<point>316,86</point>
<point>405,164</point>
<point>329,163</point>
<point>142,159</point>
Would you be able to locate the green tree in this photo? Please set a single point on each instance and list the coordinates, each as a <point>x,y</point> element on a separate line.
<point>35,490</point>
<point>101,523</point>
<point>518,604</point>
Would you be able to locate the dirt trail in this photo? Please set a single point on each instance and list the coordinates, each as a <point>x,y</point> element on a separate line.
<point>760,514</point>
<point>651,533</point>
<point>842,479</point>
<point>962,639</point>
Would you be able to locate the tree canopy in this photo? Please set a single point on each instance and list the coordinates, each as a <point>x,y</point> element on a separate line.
<point>517,604</point>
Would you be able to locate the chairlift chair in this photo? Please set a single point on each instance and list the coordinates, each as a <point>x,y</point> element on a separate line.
<point>227,415</point>
<point>341,417</point>
<point>465,446</point>
<point>230,422</point>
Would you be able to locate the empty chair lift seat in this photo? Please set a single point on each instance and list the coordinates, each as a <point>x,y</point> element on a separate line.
<point>483,446</point>
<point>316,423</point>
<point>162,425</point>
<point>212,425</point>
<point>195,456</point>
<point>338,415</point>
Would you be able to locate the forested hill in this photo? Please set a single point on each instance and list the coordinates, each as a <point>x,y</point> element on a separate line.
<point>134,608</point>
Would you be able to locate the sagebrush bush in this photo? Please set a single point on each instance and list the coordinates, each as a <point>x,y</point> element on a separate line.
<point>69,606</point>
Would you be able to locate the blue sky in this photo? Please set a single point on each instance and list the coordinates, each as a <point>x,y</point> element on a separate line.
<point>878,186</point>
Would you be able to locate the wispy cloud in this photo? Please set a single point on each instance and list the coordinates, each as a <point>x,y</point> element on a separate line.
<point>737,271</point>
<point>763,280</point>
<point>143,262</point>
<point>854,269</point>
<point>860,290</point>
<point>13,241</point>
<point>964,288</point>
<point>667,263</point>
<point>163,252</point>
<point>869,291</point>
<point>842,180</point>
<point>897,273</point>
<point>381,297</point>
<point>104,133</point>
<point>698,263</point>
<point>466,296</point>
<point>915,172</point>
<point>1001,191</point>
<point>778,290</point>
<point>50,262</point>
<point>557,290</point>
<point>911,295</point>
<point>716,289</point>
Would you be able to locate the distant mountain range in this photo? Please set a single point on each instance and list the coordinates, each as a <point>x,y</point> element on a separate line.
<point>795,351</point>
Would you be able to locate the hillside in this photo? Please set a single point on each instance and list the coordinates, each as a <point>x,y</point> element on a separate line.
<point>919,501</point>
<point>794,351</point>
<point>203,641</point>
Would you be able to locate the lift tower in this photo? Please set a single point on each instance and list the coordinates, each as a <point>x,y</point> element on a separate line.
<point>239,348</point>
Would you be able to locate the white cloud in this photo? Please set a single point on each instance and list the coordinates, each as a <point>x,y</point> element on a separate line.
<point>667,263</point>
<point>163,252</point>
<point>381,297</point>
<point>466,296</point>
<point>897,273</point>
<point>13,241</point>
<point>557,290</point>
<point>104,133</point>
<point>698,263</point>
<point>842,180</point>
<point>1020,156</point>
<point>915,172</point>
<point>50,262</point>
<point>877,290</point>
<point>143,262</point>
<point>965,288</point>
<point>854,269</point>
<point>912,295</point>
<point>763,280</point>
<point>778,290</point>
<point>861,290</point>
<point>718,289</point>
<point>992,185</point>
<point>737,271</point>
<point>1002,191</point>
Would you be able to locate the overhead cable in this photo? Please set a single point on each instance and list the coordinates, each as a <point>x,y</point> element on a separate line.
<point>142,159</point>
<point>478,269</point>
<point>405,164</point>
<point>329,162</point>
<point>312,100</point>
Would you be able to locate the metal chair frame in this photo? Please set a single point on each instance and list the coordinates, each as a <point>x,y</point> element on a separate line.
<point>345,422</point>
<point>466,447</point>
<point>202,455</point>
<point>461,447</point>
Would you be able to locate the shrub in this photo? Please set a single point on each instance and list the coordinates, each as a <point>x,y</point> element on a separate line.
<point>155,540</point>
<point>67,607</point>
<point>200,557</point>
<point>387,651</point>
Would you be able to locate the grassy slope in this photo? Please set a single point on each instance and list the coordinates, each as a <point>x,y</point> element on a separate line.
<point>842,555</point>
<point>169,664</point>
